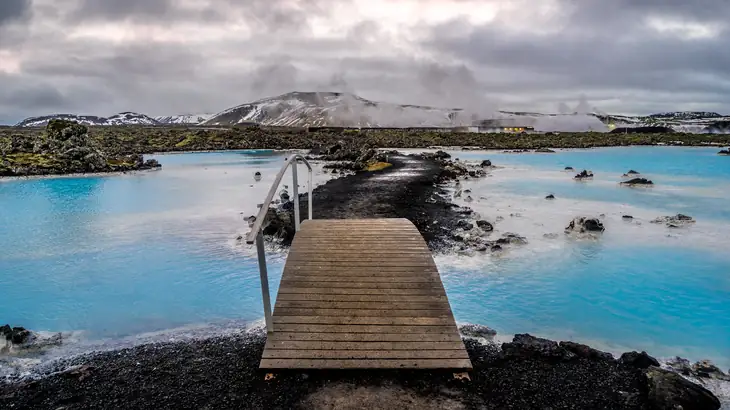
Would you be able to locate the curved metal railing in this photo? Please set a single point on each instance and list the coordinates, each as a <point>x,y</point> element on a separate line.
<point>257,235</point>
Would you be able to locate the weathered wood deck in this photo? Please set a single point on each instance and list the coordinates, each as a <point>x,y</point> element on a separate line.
<point>362,294</point>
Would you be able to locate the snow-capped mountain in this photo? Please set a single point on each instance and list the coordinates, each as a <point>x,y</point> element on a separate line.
<point>124,118</point>
<point>299,109</point>
<point>43,120</point>
<point>189,119</point>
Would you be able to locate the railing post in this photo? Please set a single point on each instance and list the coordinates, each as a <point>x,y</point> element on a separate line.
<point>264,282</point>
<point>309,191</point>
<point>295,182</point>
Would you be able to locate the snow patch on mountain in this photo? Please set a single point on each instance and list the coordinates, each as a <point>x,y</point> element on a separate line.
<point>190,119</point>
<point>124,118</point>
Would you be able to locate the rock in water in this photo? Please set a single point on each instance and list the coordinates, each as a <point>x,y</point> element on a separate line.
<point>584,175</point>
<point>485,226</point>
<point>583,224</point>
<point>638,181</point>
<point>551,196</point>
<point>257,176</point>
<point>569,169</point>
<point>638,360</point>
<point>486,163</point>
<point>627,217</point>
<point>676,221</point>
<point>16,335</point>
<point>670,391</point>
<point>511,239</point>
<point>526,345</point>
<point>586,352</point>
<point>724,152</point>
<point>545,150</point>
<point>471,330</point>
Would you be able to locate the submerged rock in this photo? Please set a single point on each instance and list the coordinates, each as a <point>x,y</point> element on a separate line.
<point>627,217</point>
<point>631,172</point>
<point>584,175</point>
<point>583,225</point>
<point>638,181</point>
<point>670,391</point>
<point>676,221</point>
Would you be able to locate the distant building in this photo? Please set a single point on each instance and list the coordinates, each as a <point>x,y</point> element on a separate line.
<point>511,129</point>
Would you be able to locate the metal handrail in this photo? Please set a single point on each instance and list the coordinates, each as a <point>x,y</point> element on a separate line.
<point>257,235</point>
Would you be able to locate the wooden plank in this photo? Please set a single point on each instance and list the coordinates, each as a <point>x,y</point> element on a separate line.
<point>281,311</point>
<point>365,337</point>
<point>389,305</point>
<point>359,285</point>
<point>396,345</point>
<point>363,320</point>
<point>399,260</point>
<point>365,364</point>
<point>359,298</point>
<point>317,277</point>
<point>365,354</point>
<point>371,291</point>
<point>356,270</point>
<point>409,329</point>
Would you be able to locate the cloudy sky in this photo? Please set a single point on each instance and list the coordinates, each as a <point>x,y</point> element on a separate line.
<point>163,57</point>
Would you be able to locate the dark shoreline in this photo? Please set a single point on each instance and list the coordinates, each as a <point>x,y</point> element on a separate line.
<point>222,372</point>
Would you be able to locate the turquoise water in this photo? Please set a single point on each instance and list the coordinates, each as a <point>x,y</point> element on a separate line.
<point>119,256</point>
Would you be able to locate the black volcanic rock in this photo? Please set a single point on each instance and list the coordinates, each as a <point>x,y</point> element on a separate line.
<point>638,181</point>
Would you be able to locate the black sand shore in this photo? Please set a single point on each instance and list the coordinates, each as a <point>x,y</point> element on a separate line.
<point>222,372</point>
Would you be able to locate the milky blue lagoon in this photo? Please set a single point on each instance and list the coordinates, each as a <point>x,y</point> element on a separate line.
<point>115,257</point>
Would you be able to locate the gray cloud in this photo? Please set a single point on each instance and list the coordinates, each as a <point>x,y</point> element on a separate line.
<point>13,10</point>
<point>589,54</point>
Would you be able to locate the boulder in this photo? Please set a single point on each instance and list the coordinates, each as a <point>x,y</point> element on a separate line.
<point>525,345</point>
<point>583,225</point>
<point>569,169</point>
<point>486,163</point>
<point>638,360</point>
<point>627,217</point>
<point>668,390</point>
<point>586,352</point>
<point>638,181</point>
<point>724,152</point>
<point>485,226</point>
<point>16,335</point>
<point>551,196</point>
<point>632,172</point>
<point>584,175</point>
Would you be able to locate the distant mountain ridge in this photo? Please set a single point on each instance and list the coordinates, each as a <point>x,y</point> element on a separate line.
<point>300,109</point>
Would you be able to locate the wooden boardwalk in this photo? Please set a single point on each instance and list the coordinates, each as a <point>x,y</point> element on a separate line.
<point>362,294</point>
